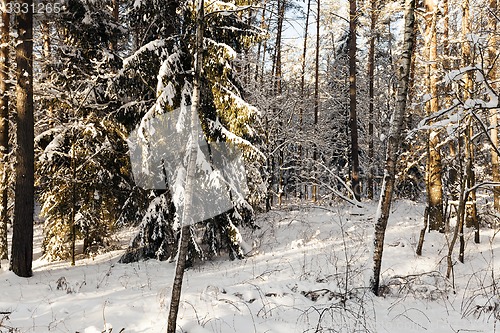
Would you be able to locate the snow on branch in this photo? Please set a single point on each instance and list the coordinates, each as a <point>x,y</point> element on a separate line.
<point>230,136</point>
<point>153,46</point>
<point>433,121</point>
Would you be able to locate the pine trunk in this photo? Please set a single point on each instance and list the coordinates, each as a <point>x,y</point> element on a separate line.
<point>471,211</point>
<point>115,10</point>
<point>371,96</point>
<point>434,167</point>
<point>277,60</point>
<point>303,97</point>
<point>493,62</point>
<point>22,237</point>
<point>259,45</point>
<point>353,119</point>
<point>4,132</point>
<point>187,216</point>
<point>393,145</point>
<point>314,193</point>
<point>278,92</point>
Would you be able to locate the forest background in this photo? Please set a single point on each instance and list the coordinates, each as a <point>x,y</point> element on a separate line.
<point>363,95</point>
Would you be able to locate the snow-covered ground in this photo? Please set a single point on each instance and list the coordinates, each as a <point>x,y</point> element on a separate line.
<point>307,273</point>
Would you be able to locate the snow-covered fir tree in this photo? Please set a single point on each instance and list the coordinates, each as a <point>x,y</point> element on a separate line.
<point>83,173</point>
<point>161,67</point>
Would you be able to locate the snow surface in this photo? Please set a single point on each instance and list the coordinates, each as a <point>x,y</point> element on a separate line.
<point>305,273</point>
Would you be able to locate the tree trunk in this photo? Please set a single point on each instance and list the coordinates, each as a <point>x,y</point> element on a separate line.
<point>264,46</point>
<point>371,96</point>
<point>277,61</point>
<point>463,193</point>
<point>421,237</point>
<point>260,45</point>
<point>303,97</point>
<point>4,131</point>
<point>434,168</point>
<point>353,119</point>
<point>314,193</point>
<point>393,145</point>
<point>472,219</point>
<point>73,204</point>
<point>453,186</point>
<point>115,10</point>
<point>187,216</point>
<point>493,63</point>
<point>22,237</point>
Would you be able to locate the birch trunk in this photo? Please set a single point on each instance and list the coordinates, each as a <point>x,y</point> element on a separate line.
<point>187,216</point>
<point>393,145</point>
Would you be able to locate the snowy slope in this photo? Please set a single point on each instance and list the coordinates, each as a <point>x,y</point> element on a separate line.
<point>307,273</point>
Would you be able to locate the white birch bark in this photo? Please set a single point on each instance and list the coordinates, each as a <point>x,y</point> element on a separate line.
<point>393,145</point>
<point>187,215</point>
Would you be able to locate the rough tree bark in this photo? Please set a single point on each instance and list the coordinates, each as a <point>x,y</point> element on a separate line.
<point>187,217</point>
<point>115,10</point>
<point>433,177</point>
<point>4,130</point>
<point>22,237</point>
<point>393,145</point>
<point>353,118</point>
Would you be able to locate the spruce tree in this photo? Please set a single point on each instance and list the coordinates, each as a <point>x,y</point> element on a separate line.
<point>83,171</point>
<point>224,116</point>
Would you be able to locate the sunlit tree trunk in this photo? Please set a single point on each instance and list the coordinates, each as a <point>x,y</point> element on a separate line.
<point>493,71</point>
<point>434,168</point>
<point>261,49</point>
<point>393,145</point>
<point>4,130</point>
<point>22,237</point>
<point>264,44</point>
